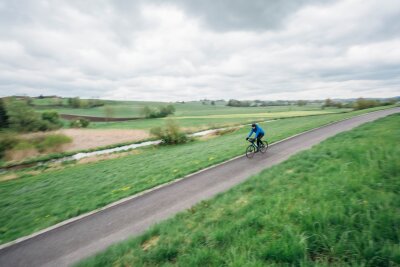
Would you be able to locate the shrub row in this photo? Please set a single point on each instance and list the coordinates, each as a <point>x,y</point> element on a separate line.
<point>160,112</point>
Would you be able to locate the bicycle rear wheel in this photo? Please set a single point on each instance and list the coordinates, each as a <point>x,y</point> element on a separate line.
<point>264,146</point>
<point>250,151</point>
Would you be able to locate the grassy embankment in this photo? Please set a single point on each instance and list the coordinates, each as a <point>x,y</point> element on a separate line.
<point>337,204</point>
<point>35,201</point>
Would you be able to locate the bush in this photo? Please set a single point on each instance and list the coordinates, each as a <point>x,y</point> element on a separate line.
<point>95,103</point>
<point>362,103</point>
<point>301,103</point>
<point>330,103</point>
<point>161,112</point>
<point>166,110</point>
<point>21,117</point>
<point>237,103</point>
<point>170,134</point>
<point>74,102</point>
<point>53,142</point>
<point>80,123</point>
<point>53,118</point>
<point>7,141</point>
<point>14,148</point>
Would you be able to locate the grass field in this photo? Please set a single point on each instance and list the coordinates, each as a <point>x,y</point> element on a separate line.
<point>194,108</point>
<point>210,121</point>
<point>54,196</point>
<point>192,115</point>
<point>337,204</point>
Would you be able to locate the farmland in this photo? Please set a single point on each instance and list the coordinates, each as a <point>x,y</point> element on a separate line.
<point>193,108</point>
<point>192,115</point>
<point>192,123</point>
<point>334,205</point>
<point>75,189</point>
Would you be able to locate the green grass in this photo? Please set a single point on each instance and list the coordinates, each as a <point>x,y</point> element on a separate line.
<point>210,121</point>
<point>195,108</point>
<point>34,202</point>
<point>190,114</point>
<point>337,204</point>
<point>48,101</point>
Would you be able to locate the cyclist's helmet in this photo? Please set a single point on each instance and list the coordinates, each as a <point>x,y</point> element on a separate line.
<point>253,125</point>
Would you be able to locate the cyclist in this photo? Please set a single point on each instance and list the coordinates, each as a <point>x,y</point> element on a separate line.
<point>259,132</point>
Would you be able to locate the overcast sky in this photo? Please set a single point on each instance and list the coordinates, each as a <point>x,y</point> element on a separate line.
<point>185,50</point>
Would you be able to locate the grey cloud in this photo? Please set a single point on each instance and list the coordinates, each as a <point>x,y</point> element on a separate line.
<point>182,50</point>
<point>225,15</point>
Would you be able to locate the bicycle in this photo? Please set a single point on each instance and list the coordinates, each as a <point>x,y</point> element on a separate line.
<point>252,148</point>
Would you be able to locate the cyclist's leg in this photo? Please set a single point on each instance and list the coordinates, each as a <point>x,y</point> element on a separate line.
<point>259,139</point>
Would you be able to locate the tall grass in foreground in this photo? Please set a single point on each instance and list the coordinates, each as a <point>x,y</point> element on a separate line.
<point>337,204</point>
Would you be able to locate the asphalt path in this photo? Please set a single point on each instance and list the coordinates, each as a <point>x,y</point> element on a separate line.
<point>81,238</point>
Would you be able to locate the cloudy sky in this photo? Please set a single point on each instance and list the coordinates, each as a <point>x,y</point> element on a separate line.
<point>185,50</point>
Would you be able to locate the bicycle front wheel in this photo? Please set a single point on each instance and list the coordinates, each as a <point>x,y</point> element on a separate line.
<point>250,151</point>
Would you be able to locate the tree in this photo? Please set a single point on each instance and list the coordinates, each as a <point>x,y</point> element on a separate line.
<point>146,111</point>
<point>29,101</point>
<point>3,115</point>
<point>53,118</point>
<point>162,111</point>
<point>328,102</point>
<point>95,103</point>
<point>74,102</point>
<point>362,103</point>
<point>213,103</point>
<point>301,102</point>
<point>108,112</point>
<point>21,117</point>
<point>56,101</point>
<point>237,103</point>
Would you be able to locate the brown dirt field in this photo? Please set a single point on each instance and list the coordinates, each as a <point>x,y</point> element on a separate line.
<point>17,155</point>
<point>92,138</point>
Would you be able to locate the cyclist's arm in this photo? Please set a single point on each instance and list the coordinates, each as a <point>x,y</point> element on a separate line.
<point>251,132</point>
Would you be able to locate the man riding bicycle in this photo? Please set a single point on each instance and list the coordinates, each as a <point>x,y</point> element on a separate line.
<point>259,132</point>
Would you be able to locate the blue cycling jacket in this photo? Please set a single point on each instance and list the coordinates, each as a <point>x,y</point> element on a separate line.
<point>258,131</point>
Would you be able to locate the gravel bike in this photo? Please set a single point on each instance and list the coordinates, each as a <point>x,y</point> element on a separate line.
<point>252,148</point>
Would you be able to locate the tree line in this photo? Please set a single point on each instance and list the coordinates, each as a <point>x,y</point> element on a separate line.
<point>18,115</point>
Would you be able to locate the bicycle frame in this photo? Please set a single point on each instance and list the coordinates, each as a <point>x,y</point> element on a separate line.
<point>253,141</point>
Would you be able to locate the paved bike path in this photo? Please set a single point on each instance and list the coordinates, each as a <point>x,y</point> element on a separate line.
<point>74,241</point>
